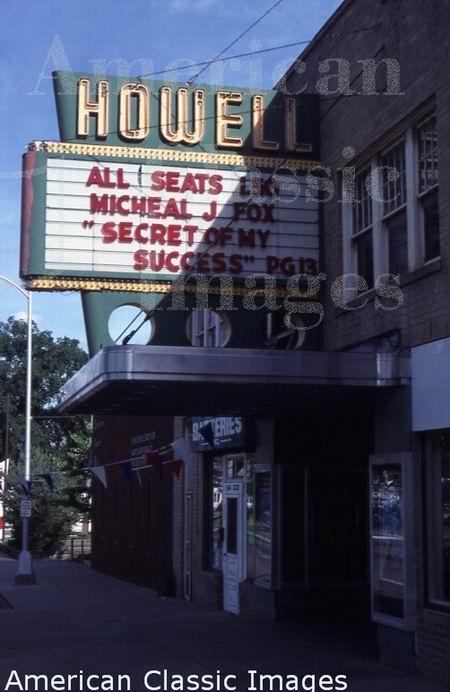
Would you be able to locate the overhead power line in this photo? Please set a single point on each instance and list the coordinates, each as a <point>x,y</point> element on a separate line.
<point>238,38</point>
<point>191,81</point>
<point>206,63</point>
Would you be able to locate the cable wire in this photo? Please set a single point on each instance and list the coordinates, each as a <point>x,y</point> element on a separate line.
<point>230,45</point>
<point>224,59</point>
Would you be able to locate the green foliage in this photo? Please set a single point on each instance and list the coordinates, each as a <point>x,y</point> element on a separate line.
<point>53,515</point>
<point>54,361</point>
<point>58,444</point>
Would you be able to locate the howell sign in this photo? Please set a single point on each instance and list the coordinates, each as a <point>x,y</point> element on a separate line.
<point>154,180</point>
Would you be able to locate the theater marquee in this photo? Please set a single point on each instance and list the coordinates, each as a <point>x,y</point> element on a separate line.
<point>154,181</point>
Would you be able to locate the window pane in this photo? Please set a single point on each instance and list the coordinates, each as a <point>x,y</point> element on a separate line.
<point>394,166</point>
<point>439,512</point>
<point>387,540</point>
<point>428,155</point>
<point>362,208</point>
<point>430,211</point>
<point>396,227</point>
<point>232,525</point>
<point>235,466</point>
<point>250,519</point>
<point>208,328</point>
<point>445,509</point>
<point>364,257</point>
<point>216,538</point>
<point>263,526</point>
<point>293,509</point>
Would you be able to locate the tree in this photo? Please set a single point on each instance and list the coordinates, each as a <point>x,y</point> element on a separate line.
<point>59,444</point>
<point>54,361</point>
<point>53,514</point>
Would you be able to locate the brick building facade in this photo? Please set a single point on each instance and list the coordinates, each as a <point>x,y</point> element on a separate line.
<point>415,35</point>
<point>317,479</point>
<point>407,43</point>
<point>132,525</point>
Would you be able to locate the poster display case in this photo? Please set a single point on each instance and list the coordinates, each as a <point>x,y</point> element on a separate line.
<point>391,545</point>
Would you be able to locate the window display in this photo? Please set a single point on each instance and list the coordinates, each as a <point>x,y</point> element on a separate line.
<point>392,563</point>
<point>439,517</point>
<point>387,540</point>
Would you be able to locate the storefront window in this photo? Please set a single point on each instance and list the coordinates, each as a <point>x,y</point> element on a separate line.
<point>293,508</point>
<point>235,466</point>
<point>216,513</point>
<point>387,540</point>
<point>439,517</point>
<point>250,523</point>
<point>259,528</point>
<point>256,513</point>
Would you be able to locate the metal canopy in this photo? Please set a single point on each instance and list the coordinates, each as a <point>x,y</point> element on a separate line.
<point>174,380</point>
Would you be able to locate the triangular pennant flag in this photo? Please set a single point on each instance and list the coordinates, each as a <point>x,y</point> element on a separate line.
<point>206,431</point>
<point>126,469</point>
<point>100,473</point>
<point>152,458</point>
<point>179,448</point>
<point>176,466</point>
<point>26,485</point>
<point>47,477</point>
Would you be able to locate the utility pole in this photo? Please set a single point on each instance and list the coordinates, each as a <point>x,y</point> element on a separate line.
<point>5,462</point>
<point>25,574</point>
<point>6,444</point>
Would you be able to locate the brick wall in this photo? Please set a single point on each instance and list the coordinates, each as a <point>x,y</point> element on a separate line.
<point>417,34</point>
<point>132,523</point>
<point>433,644</point>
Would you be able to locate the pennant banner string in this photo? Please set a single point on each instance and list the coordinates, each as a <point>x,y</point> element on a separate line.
<point>178,447</point>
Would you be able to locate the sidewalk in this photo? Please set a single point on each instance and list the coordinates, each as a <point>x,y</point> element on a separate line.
<point>75,619</point>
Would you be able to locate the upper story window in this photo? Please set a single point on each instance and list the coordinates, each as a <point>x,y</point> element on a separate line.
<point>393,163</point>
<point>395,222</point>
<point>208,328</point>
<point>428,172</point>
<point>392,225</point>
<point>362,228</point>
<point>428,155</point>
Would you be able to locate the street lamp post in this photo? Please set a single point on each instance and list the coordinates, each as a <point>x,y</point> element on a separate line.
<point>24,574</point>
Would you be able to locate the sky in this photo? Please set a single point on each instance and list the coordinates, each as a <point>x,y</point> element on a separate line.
<point>134,37</point>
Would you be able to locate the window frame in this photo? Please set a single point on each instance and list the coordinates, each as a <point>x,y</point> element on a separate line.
<point>433,526</point>
<point>432,189</point>
<point>383,216</point>
<point>405,461</point>
<point>412,204</point>
<point>199,328</point>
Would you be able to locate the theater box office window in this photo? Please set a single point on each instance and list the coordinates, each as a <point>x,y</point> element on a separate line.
<point>239,502</point>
